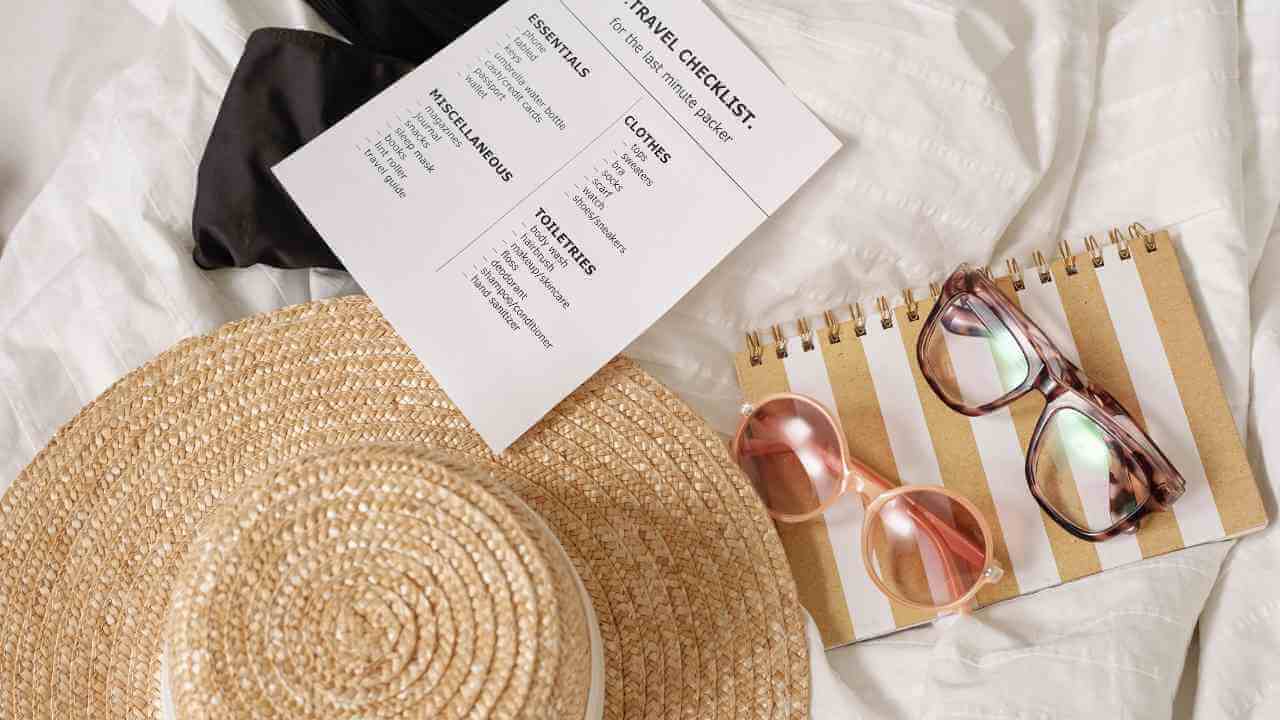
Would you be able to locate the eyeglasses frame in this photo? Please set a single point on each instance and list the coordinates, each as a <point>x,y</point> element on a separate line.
<point>1065,387</point>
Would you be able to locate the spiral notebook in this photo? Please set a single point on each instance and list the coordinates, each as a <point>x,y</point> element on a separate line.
<point>1121,310</point>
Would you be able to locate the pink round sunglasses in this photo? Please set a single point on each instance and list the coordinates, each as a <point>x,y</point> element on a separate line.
<point>923,546</point>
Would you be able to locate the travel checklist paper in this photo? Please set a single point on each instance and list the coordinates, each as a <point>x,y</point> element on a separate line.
<point>1128,323</point>
<point>532,198</point>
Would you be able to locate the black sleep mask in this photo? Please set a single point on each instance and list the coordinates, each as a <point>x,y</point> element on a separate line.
<point>289,87</point>
<point>408,29</point>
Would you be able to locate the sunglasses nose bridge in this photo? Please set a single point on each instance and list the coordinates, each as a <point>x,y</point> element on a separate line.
<point>864,481</point>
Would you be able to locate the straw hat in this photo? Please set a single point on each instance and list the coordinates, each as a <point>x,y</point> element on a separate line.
<point>288,518</point>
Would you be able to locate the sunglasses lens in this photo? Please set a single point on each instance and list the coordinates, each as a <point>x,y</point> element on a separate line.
<point>1082,473</point>
<point>974,358</point>
<point>790,449</point>
<point>927,547</point>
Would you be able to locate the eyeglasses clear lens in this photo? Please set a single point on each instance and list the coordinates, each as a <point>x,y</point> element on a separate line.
<point>974,358</point>
<point>927,547</point>
<point>790,449</point>
<point>1082,473</point>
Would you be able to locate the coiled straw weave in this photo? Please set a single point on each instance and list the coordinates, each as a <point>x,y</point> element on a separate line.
<point>377,582</point>
<point>101,570</point>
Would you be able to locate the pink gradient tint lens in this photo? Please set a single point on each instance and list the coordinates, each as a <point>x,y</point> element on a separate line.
<point>927,547</point>
<point>790,449</point>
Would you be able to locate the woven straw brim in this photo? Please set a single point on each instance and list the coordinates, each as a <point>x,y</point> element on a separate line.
<point>696,606</point>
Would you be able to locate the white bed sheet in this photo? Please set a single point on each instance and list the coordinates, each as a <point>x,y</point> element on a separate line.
<point>50,74</point>
<point>975,130</point>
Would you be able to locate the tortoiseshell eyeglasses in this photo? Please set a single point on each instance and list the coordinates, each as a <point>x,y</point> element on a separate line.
<point>1089,465</point>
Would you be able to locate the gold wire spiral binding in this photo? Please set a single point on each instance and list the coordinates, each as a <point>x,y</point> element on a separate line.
<point>806,335</point>
<point>1138,232</point>
<point>913,307</point>
<point>1095,251</point>
<point>1068,257</point>
<point>886,312</point>
<point>859,319</point>
<point>755,349</point>
<point>779,342</point>
<point>1015,274</point>
<point>1042,267</point>
<point>833,327</point>
<point>1122,245</point>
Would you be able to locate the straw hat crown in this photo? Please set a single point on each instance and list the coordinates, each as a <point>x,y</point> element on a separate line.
<point>377,581</point>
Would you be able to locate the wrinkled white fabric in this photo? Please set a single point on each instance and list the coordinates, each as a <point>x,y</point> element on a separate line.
<point>974,130</point>
<point>51,74</point>
<point>1239,673</point>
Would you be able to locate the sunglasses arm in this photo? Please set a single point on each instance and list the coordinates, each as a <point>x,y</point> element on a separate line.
<point>870,485</point>
<point>937,532</point>
<point>752,447</point>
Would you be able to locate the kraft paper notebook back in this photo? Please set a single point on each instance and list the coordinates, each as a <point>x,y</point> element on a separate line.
<point>1123,313</point>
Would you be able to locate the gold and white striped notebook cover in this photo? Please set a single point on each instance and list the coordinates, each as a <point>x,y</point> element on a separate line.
<point>1121,312</point>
